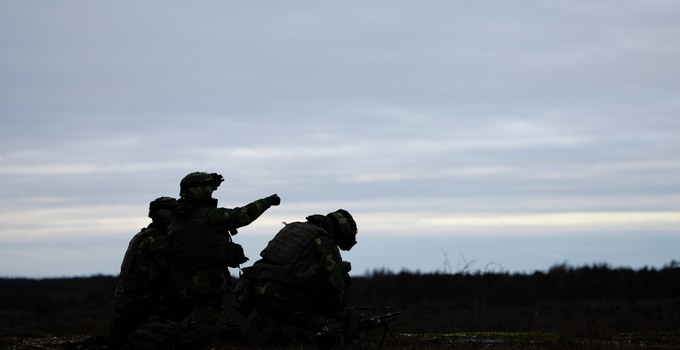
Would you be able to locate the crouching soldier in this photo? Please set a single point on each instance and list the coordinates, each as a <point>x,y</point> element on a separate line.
<point>300,283</point>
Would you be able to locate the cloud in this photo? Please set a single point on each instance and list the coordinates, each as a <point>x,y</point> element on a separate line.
<point>430,117</point>
<point>55,219</point>
<point>547,220</point>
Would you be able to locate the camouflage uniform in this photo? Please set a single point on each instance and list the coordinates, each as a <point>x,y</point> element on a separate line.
<point>141,273</point>
<point>299,282</point>
<point>202,250</point>
<point>144,274</point>
<point>198,235</point>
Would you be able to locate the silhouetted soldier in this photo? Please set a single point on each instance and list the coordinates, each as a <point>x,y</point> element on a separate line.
<point>144,275</point>
<point>202,249</point>
<point>300,282</point>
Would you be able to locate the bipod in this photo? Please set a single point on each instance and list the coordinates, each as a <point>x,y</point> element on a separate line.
<point>394,337</point>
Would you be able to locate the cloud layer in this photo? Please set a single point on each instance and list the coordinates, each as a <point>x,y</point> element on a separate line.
<point>454,125</point>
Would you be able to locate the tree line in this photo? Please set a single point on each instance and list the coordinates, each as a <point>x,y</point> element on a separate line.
<point>559,284</point>
<point>621,298</point>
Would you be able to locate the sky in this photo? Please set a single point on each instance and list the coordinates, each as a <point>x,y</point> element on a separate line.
<point>463,136</point>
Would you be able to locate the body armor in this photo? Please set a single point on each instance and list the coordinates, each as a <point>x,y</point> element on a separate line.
<point>195,244</point>
<point>289,244</point>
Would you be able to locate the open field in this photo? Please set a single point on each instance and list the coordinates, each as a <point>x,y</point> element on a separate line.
<point>565,308</point>
<point>471,340</point>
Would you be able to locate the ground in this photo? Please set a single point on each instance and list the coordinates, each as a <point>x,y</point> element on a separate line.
<point>472,340</point>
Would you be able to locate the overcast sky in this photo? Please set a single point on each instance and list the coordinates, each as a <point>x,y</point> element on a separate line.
<point>488,135</point>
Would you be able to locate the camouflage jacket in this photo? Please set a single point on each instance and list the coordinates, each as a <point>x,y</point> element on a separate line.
<point>302,264</point>
<point>225,220</point>
<point>144,270</point>
<point>198,234</point>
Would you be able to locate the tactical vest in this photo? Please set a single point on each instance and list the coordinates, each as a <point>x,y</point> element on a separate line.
<point>135,266</point>
<point>195,244</point>
<point>289,244</point>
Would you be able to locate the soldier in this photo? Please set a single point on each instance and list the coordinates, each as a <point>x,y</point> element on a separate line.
<point>144,274</point>
<point>200,236</point>
<point>300,282</point>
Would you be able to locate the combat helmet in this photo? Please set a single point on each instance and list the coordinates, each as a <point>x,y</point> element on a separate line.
<point>162,203</point>
<point>344,228</point>
<point>199,179</point>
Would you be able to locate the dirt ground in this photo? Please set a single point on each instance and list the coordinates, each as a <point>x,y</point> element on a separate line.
<point>481,340</point>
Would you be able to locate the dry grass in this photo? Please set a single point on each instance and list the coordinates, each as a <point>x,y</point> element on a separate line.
<point>465,341</point>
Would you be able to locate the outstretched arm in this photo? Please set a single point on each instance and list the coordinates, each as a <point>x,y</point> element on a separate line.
<point>233,218</point>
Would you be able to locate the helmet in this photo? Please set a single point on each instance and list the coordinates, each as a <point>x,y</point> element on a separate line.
<point>162,203</point>
<point>168,203</point>
<point>199,179</point>
<point>344,228</point>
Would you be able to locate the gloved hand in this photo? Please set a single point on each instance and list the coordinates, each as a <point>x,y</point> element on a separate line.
<point>273,200</point>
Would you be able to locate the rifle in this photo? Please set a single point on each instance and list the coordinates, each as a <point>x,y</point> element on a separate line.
<point>348,323</point>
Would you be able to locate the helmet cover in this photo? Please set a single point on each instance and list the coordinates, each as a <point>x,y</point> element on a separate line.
<point>344,228</point>
<point>200,179</point>
<point>162,207</point>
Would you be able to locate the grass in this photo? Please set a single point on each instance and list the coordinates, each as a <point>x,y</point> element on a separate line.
<point>540,340</point>
<point>412,341</point>
<point>53,313</point>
